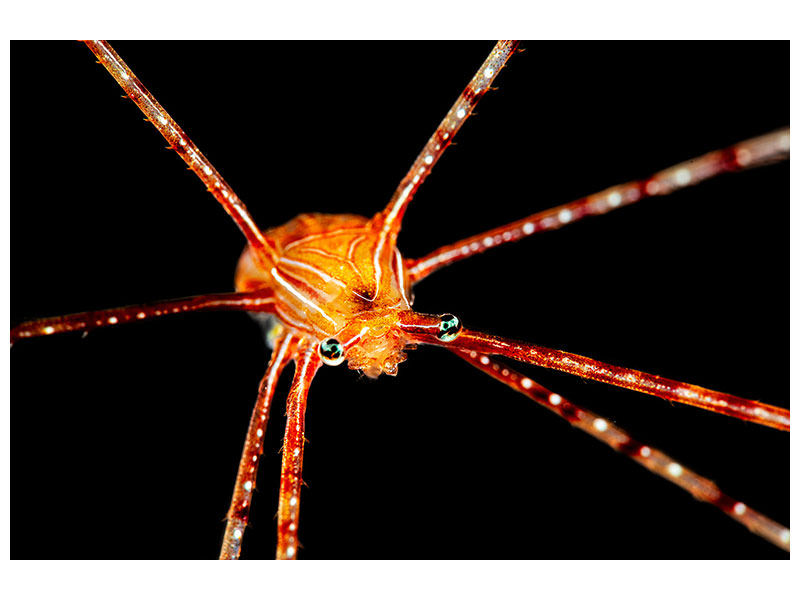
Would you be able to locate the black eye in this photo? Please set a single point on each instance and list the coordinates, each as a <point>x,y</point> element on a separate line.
<point>449,328</point>
<point>332,352</point>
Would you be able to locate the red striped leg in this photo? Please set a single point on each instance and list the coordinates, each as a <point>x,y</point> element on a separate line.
<point>754,152</point>
<point>391,217</point>
<point>181,143</point>
<point>239,510</point>
<point>292,465</point>
<point>654,460</point>
<point>261,301</point>
<point>424,329</point>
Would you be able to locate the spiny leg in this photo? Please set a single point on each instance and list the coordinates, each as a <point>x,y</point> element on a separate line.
<point>184,146</point>
<point>239,510</point>
<point>425,329</point>
<point>292,464</point>
<point>390,219</point>
<point>762,150</point>
<point>261,301</point>
<point>654,460</point>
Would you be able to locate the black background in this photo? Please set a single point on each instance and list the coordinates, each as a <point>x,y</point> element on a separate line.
<point>125,444</point>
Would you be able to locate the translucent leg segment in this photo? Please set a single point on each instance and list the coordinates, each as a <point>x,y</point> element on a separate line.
<point>184,146</point>
<point>261,301</point>
<point>239,510</point>
<point>424,328</point>
<point>754,152</point>
<point>390,219</point>
<point>292,466</point>
<point>651,459</point>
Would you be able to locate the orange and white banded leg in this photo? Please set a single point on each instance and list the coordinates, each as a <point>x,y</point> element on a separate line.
<point>306,366</point>
<point>427,329</point>
<point>261,301</point>
<point>651,459</point>
<point>389,220</point>
<point>239,511</point>
<point>186,149</point>
<point>762,150</point>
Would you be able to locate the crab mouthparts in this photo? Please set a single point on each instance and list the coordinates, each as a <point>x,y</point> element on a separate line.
<point>378,352</point>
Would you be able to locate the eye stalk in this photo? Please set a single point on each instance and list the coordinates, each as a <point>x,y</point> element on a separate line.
<point>332,352</point>
<point>449,328</point>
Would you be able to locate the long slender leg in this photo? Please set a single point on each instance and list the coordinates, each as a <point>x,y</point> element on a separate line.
<point>260,301</point>
<point>424,328</point>
<point>181,143</point>
<point>654,460</point>
<point>390,219</point>
<point>754,152</point>
<point>292,465</point>
<point>253,449</point>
